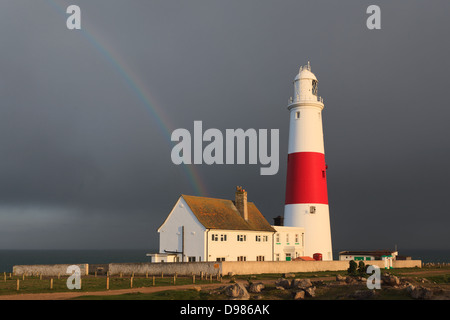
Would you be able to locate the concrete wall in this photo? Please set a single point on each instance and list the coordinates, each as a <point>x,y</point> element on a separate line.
<point>181,268</point>
<point>47,269</point>
<point>251,267</point>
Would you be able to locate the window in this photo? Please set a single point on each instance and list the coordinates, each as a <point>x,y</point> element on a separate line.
<point>312,209</point>
<point>303,239</point>
<point>220,259</point>
<point>288,257</point>
<point>260,258</point>
<point>277,238</point>
<point>297,115</point>
<point>258,238</point>
<point>191,259</point>
<point>277,257</point>
<point>265,238</point>
<point>242,258</point>
<point>296,238</point>
<point>241,237</point>
<point>287,238</point>
<point>214,237</point>
<point>223,237</point>
<point>314,87</point>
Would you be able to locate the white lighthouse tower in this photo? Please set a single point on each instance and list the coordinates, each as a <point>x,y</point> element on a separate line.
<point>306,202</point>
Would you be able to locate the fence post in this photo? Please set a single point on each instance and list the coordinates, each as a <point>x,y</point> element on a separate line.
<point>18,281</point>
<point>51,283</point>
<point>107,283</point>
<point>153,280</point>
<point>131,282</point>
<point>193,278</point>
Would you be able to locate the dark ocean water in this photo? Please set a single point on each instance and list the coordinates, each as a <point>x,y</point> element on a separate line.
<point>9,258</point>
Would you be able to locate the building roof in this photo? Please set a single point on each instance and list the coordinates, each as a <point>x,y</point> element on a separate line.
<point>215,213</point>
<point>304,258</point>
<point>377,253</point>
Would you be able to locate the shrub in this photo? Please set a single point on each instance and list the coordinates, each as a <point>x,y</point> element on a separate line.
<point>352,268</point>
<point>362,268</point>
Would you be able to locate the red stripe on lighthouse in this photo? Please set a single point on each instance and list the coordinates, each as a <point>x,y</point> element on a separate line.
<point>306,178</point>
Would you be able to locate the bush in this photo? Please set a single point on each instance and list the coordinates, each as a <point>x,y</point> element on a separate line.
<point>352,268</point>
<point>362,268</point>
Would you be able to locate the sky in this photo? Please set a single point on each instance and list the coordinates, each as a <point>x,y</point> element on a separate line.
<point>86,115</point>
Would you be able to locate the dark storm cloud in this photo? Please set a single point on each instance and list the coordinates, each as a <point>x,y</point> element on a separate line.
<point>83,160</point>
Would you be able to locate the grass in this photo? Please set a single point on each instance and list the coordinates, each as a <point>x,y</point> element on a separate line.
<point>89,283</point>
<point>92,284</point>
<point>161,295</point>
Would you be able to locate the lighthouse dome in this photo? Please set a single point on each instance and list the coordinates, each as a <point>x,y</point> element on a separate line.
<point>305,73</point>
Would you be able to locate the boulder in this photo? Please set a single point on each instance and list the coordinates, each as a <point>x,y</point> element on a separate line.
<point>289,275</point>
<point>237,291</point>
<point>340,278</point>
<point>390,280</point>
<point>421,293</point>
<point>301,283</point>
<point>350,280</point>
<point>286,284</point>
<point>299,295</point>
<point>256,287</point>
<point>310,292</point>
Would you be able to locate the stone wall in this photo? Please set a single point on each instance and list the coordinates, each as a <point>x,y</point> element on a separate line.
<point>254,267</point>
<point>47,269</point>
<point>189,268</point>
<point>180,268</point>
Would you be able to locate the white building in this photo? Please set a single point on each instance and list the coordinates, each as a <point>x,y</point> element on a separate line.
<point>289,243</point>
<point>209,229</point>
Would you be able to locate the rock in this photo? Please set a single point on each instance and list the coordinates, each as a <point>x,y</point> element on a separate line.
<point>237,291</point>
<point>286,284</point>
<point>198,289</point>
<point>301,283</point>
<point>299,295</point>
<point>310,292</point>
<point>391,280</point>
<point>421,293</point>
<point>363,294</point>
<point>256,287</point>
<point>318,283</point>
<point>340,278</point>
<point>349,280</point>
<point>289,275</point>
<point>409,289</point>
<point>279,288</point>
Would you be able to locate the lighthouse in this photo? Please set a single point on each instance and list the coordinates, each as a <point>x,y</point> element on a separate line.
<point>306,203</point>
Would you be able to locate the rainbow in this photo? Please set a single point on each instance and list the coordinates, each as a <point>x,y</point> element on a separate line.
<point>134,82</point>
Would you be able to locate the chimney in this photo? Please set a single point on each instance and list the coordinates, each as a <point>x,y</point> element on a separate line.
<point>278,221</point>
<point>241,202</point>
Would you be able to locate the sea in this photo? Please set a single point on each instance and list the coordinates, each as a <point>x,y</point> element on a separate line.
<point>9,258</point>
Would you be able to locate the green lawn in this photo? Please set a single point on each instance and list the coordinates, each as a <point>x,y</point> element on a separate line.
<point>88,283</point>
